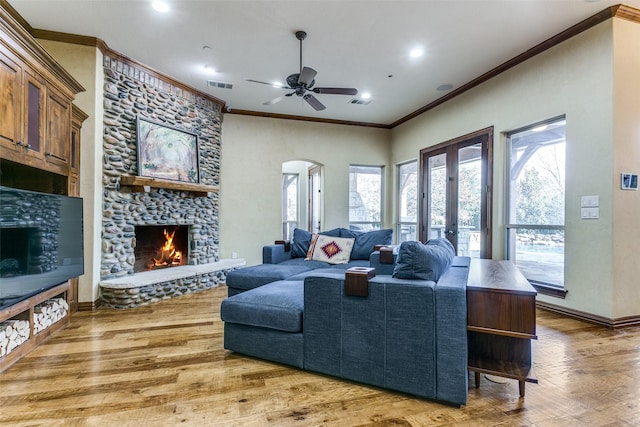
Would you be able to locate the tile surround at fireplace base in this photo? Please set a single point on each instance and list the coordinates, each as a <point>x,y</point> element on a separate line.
<point>149,287</point>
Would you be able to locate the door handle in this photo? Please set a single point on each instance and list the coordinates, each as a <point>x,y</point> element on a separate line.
<point>449,232</point>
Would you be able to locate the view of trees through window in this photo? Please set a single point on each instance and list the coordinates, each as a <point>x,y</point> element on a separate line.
<point>407,201</point>
<point>535,233</point>
<point>365,197</point>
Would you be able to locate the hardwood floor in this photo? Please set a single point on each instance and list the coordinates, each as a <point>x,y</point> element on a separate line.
<point>164,365</point>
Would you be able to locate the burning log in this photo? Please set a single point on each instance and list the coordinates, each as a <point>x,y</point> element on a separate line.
<point>168,255</point>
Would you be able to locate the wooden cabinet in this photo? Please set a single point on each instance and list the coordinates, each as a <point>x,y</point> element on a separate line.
<point>36,96</point>
<point>501,321</point>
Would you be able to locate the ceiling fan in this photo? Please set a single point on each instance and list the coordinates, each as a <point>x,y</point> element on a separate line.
<point>302,83</point>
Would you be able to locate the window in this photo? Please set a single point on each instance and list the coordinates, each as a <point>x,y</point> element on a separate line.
<point>535,230</point>
<point>289,204</point>
<point>407,202</point>
<point>365,197</point>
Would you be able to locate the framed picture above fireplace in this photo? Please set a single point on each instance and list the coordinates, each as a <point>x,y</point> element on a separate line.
<point>166,152</point>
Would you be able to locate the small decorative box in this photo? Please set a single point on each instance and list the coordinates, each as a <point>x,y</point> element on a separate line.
<point>286,243</point>
<point>356,282</point>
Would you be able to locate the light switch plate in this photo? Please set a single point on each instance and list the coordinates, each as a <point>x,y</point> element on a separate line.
<point>590,213</point>
<point>589,201</point>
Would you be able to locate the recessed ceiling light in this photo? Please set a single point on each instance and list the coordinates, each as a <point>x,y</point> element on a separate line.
<point>365,95</point>
<point>160,6</point>
<point>416,53</point>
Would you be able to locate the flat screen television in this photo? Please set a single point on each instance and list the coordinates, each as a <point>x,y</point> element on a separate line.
<point>41,242</point>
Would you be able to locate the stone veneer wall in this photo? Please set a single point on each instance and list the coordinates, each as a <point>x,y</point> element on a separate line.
<point>131,91</point>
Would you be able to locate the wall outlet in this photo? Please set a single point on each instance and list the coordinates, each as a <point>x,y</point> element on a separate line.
<point>234,255</point>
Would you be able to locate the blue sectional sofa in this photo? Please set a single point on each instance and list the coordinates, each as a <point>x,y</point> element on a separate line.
<point>407,335</point>
<point>280,262</point>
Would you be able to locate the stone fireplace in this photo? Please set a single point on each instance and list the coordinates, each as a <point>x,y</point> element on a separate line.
<point>131,91</point>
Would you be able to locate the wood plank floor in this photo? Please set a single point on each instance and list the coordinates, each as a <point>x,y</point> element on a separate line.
<point>164,365</point>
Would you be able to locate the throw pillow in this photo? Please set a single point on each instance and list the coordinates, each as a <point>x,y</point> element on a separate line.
<point>422,262</point>
<point>445,243</point>
<point>333,250</point>
<point>302,240</point>
<point>367,240</point>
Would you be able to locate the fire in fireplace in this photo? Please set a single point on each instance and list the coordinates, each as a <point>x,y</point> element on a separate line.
<point>160,247</point>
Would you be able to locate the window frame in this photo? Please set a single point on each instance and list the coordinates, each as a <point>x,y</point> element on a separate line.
<point>286,223</point>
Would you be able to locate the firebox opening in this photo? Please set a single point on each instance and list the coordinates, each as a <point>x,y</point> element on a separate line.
<point>159,246</point>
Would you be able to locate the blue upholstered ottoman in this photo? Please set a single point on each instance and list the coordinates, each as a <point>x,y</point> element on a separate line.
<point>266,322</point>
<point>243,279</point>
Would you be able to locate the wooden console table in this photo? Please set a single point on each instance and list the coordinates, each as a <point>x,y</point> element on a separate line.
<point>501,321</point>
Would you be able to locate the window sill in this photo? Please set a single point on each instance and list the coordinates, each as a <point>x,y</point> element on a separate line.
<point>552,291</point>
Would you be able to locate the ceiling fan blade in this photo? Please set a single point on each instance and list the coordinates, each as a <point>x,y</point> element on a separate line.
<point>278,99</point>
<point>313,101</point>
<point>306,76</point>
<point>336,90</point>
<point>274,101</point>
<point>265,83</point>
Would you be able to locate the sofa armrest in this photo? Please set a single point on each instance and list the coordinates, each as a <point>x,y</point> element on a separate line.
<point>451,334</point>
<point>274,254</point>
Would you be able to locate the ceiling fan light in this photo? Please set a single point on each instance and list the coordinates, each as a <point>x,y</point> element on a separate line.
<point>416,52</point>
<point>160,6</point>
<point>365,95</point>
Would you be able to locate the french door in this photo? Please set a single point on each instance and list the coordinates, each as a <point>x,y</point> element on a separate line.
<point>456,193</point>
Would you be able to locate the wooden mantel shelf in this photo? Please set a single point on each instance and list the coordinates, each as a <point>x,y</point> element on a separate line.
<point>142,184</point>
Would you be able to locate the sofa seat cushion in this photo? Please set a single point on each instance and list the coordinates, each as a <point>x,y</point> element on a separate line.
<point>278,305</point>
<point>258,275</point>
<point>310,264</point>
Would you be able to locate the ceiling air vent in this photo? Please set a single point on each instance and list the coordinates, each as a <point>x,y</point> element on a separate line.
<point>360,101</point>
<point>221,85</point>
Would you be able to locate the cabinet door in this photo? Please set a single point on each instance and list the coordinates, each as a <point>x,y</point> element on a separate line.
<point>10,103</point>
<point>34,110</point>
<point>58,129</point>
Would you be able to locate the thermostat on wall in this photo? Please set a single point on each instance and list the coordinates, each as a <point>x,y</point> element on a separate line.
<point>629,181</point>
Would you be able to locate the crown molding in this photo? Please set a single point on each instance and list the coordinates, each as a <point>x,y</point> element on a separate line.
<point>306,119</point>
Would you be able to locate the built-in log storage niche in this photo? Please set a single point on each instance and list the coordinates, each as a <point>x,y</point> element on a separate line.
<point>39,151</point>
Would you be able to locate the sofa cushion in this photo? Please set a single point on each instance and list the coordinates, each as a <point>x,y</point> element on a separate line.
<point>258,275</point>
<point>306,263</point>
<point>333,250</point>
<point>302,241</point>
<point>278,305</point>
<point>366,241</point>
<point>423,262</point>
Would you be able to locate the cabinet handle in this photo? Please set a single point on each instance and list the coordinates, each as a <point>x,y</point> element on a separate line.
<point>20,143</point>
<point>57,157</point>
